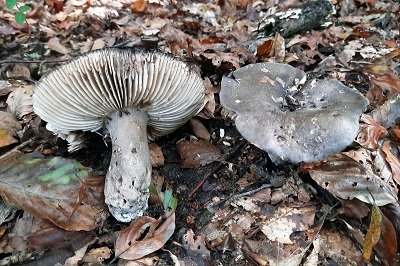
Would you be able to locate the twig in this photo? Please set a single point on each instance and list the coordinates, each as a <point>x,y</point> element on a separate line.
<point>18,147</point>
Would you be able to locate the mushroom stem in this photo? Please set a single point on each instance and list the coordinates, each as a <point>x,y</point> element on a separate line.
<point>127,182</point>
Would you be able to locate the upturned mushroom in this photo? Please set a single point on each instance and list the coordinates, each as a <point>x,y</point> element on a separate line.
<point>292,119</point>
<point>135,96</point>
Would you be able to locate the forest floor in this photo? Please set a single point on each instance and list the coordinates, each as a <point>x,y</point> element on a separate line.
<point>235,206</point>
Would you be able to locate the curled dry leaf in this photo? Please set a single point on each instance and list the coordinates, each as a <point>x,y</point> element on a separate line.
<point>156,154</point>
<point>199,130</point>
<point>129,247</point>
<point>57,189</point>
<point>347,179</point>
<point>20,102</point>
<point>8,129</point>
<point>371,131</point>
<point>197,153</point>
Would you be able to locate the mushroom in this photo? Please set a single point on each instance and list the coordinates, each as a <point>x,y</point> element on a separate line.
<point>136,96</point>
<point>291,119</point>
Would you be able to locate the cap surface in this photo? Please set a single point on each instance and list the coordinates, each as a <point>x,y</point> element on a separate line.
<point>79,94</point>
<point>324,122</point>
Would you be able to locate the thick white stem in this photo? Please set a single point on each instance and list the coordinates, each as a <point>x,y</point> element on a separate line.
<point>128,178</point>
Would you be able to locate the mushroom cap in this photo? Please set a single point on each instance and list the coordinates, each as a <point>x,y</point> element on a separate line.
<point>325,121</point>
<point>81,93</point>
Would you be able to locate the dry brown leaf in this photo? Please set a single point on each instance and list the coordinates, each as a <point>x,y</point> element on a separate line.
<point>46,235</point>
<point>392,159</point>
<point>386,247</point>
<point>97,255</point>
<point>8,129</point>
<point>195,247</point>
<point>199,130</point>
<point>98,44</point>
<point>129,247</point>
<point>382,79</point>
<point>371,131</point>
<point>156,154</point>
<point>139,6</point>
<point>197,153</point>
<point>55,45</point>
<point>20,102</point>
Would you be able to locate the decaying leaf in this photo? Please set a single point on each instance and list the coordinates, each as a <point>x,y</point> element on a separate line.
<point>8,129</point>
<point>156,154</point>
<point>128,245</point>
<point>197,153</point>
<point>57,189</point>
<point>195,247</point>
<point>348,179</point>
<point>373,234</point>
<point>19,102</point>
<point>97,255</point>
<point>287,220</point>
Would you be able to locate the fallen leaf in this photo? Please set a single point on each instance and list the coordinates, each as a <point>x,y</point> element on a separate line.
<point>128,245</point>
<point>287,220</point>
<point>195,247</point>
<point>97,255</point>
<point>371,131</point>
<point>46,235</point>
<point>373,233</point>
<point>197,153</point>
<point>347,179</point>
<point>57,189</point>
<point>392,159</point>
<point>19,102</point>
<point>157,156</point>
<point>139,6</point>
<point>199,130</point>
<point>55,45</point>
<point>386,248</point>
<point>8,129</point>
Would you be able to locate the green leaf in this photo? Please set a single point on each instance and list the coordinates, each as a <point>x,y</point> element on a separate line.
<point>169,202</point>
<point>24,8</point>
<point>11,3</point>
<point>20,17</point>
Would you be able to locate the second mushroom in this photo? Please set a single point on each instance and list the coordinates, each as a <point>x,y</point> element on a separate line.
<point>135,95</point>
<point>289,117</point>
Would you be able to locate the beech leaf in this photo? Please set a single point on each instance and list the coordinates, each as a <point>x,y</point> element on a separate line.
<point>56,189</point>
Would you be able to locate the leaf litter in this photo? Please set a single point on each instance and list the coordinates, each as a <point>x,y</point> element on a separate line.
<point>241,207</point>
